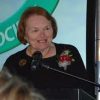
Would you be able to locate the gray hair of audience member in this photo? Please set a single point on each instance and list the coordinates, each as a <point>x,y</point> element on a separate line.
<point>13,88</point>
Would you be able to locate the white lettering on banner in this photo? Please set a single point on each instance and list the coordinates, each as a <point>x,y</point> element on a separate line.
<point>2,39</point>
<point>5,36</point>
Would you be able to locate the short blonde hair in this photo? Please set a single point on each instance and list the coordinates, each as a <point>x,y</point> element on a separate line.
<point>13,88</point>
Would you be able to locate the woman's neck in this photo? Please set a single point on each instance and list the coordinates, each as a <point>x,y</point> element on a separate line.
<point>47,52</point>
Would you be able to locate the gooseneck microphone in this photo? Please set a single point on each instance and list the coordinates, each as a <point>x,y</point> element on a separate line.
<point>36,61</point>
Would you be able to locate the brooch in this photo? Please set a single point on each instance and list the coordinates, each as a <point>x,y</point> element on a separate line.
<point>22,62</point>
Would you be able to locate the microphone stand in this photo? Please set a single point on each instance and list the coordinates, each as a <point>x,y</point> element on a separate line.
<point>82,79</point>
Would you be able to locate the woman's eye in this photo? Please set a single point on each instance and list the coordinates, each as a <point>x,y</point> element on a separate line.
<point>32,31</point>
<point>47,28</point>
<point>35,30</point>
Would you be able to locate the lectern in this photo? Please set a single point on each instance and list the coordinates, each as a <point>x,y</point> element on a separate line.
<point>66,94</point>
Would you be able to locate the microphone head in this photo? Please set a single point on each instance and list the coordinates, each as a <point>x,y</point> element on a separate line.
<point>37,56</point>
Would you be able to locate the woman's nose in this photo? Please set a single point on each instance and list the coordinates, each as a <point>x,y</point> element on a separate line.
<point>42,33</point>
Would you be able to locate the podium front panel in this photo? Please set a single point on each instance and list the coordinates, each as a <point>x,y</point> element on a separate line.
<point>66,94</point>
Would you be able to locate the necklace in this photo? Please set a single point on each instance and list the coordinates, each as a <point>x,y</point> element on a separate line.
<point>50,51</point>
<point>45,52</point>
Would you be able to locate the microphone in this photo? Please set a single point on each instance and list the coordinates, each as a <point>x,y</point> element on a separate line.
<point>36,61</point>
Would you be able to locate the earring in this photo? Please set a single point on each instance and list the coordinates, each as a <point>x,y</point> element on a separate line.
<point>25,38</point>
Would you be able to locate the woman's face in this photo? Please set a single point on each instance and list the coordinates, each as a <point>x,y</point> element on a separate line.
<point>39,32</point>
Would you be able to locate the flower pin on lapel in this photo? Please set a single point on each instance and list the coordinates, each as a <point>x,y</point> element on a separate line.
<point>65,59</point>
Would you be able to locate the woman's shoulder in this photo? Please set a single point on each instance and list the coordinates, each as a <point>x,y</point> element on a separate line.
<point>61,48</point>
<point>13,59</point>
<point>17,54</point>
<point>65,46</point>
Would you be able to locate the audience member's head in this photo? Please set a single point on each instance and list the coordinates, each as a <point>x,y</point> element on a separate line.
<point>12,88</point>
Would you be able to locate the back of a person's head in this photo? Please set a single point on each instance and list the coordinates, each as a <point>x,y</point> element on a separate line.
<point>12,88</point>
